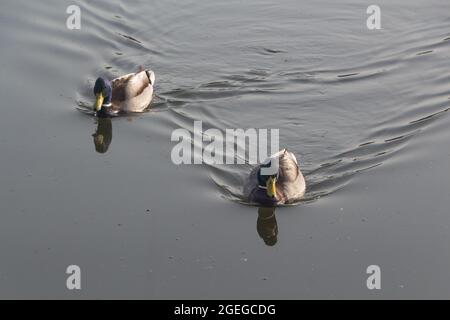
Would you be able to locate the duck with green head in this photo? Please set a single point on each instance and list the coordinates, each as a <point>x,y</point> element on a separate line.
<point>283,185</point>
<point>129,93</point>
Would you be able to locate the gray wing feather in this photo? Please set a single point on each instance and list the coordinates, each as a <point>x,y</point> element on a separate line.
<point>132,92</point>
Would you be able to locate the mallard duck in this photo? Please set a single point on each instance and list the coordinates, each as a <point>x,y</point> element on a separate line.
<point>129,93</point>
<point>281,182</point>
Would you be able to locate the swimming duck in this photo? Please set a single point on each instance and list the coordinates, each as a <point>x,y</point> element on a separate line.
<point>280,183</point>
<point>132,92</point>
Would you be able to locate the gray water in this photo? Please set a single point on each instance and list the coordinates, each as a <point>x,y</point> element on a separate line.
<point>365,111</point>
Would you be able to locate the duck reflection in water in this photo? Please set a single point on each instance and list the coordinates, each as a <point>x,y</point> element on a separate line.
<point>267,226</point>
<point>103,136</point>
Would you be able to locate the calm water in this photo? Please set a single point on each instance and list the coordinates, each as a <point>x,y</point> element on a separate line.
<point>364,111</point>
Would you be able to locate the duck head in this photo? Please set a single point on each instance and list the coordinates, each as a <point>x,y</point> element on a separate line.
<point>268,182</point>
<point>103,93</point>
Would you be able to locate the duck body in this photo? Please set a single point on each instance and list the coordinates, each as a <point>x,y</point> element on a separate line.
<point>132,92</point>
<point>284,185</point>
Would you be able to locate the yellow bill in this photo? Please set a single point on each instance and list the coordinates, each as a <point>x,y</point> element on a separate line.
<point>98,101</point>
<point>271,187</point>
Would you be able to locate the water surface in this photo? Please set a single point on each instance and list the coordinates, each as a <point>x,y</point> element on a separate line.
<point>365,111</point>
